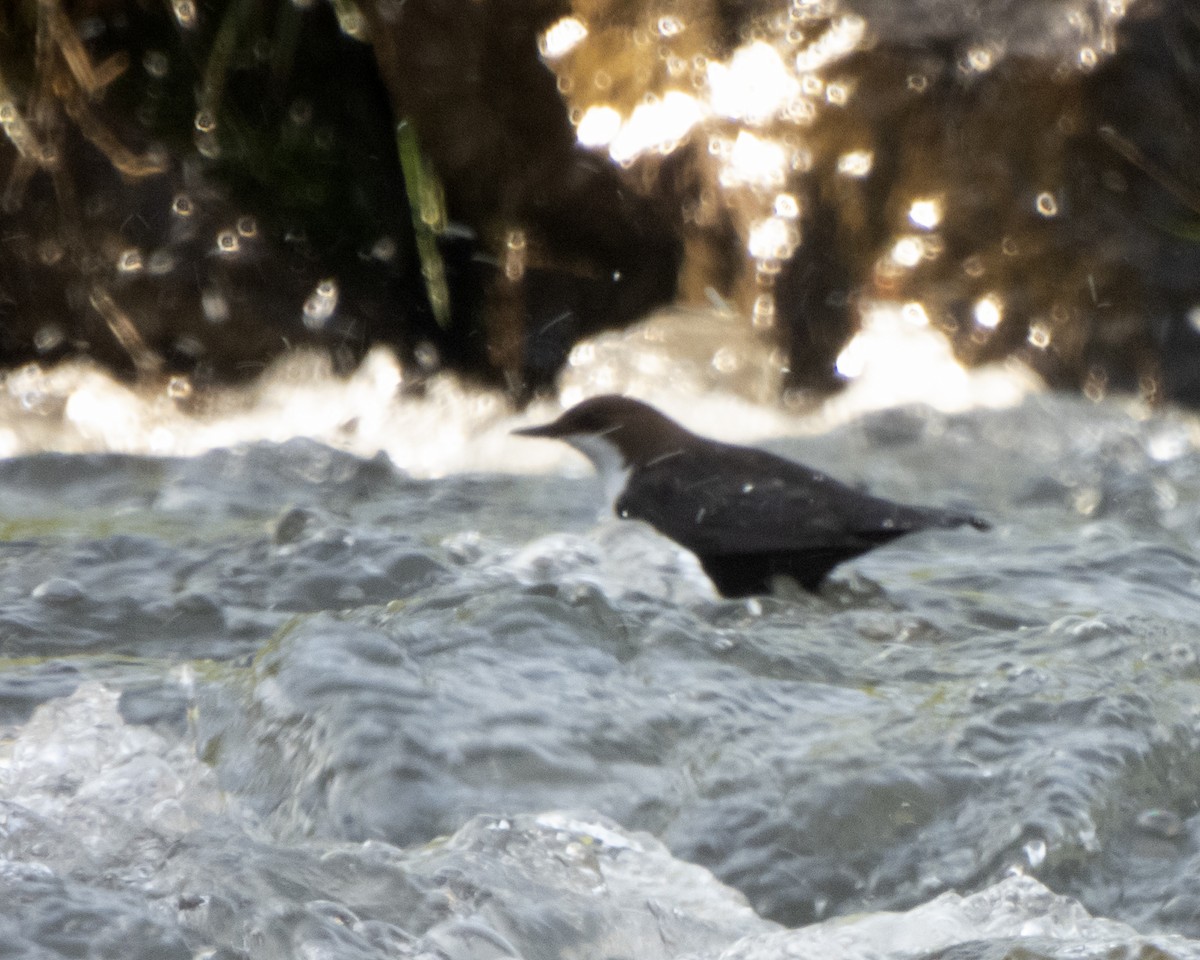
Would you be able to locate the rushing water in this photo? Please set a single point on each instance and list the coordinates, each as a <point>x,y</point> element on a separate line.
<point>281,700</point>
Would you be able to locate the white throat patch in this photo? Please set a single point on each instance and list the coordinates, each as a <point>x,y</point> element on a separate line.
<point>607,460</point>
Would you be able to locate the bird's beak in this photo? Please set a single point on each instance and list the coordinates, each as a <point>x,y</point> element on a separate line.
<point>544,430</point>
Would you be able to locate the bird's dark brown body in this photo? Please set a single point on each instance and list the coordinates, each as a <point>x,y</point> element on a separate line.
<point>749,516</point>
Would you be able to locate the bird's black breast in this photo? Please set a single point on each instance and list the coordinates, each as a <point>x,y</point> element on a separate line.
<point>750,516</point>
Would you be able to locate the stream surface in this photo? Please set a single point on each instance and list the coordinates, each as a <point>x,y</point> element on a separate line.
<point>281,700</point>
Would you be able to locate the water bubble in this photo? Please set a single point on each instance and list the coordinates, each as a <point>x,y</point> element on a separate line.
<point>8,112</point>
<point>1039,335</point>
<point>908,251</point>
<point>755,161</point>
<point>973,266</point>
<point>581,355</point>
<point>160,262</point>
<point>384,249</point>
<point>426,355</point>
<point>514,254</point>
<point>28,386</point>
<point>1095,387</point>
<point>207,146</point>
<point>925,213</point>
<point>214,305</point>
<point>1088,58</point>
<point>247,227</point>
<point>676,66</point>
<point>725,360</point>
<point>856,163</point>
<point>156,63</point>
<point>321,304</point>
<point>179,388</point>
<point>193,349</point>
<point>130,261</point>
<point>206,121</point>
<point>988,311</point>
<point>917,82</point>
<point>1046,205</point>
<point>185,13</point>
<point>50,252</point>
<point>228,242</point>
<point>979,60</point>
<point>561,37</point>
<point>801,110</point>
<point>762,314</point>
<point>811,85</point>
<point>351,22</point>
<point>47,337</point>
<point>837,94</point>
<point>181,206</point>
<point>1009,247</point>
<point>598,126</point>
<point>787,206</point>
<point>670,26</point>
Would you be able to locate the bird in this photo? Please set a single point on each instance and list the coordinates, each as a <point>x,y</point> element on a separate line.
<point>748,515</point>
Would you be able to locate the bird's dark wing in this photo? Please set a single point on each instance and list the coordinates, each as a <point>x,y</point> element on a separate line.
<point>747,512</point>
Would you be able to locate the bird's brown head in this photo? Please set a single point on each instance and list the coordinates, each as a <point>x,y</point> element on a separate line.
<point>632,429</point>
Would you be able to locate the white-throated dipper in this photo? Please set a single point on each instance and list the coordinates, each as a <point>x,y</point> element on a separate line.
<point>748,515</point>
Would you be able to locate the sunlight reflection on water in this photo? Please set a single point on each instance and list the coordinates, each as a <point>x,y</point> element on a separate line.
<point>647,81</point>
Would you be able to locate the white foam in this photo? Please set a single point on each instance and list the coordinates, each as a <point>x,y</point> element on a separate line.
<point>78,765</point>
<point>1017,907</point>
<point>705,368</point>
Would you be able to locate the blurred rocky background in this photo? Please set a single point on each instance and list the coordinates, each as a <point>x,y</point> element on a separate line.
<point>190,188</point>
